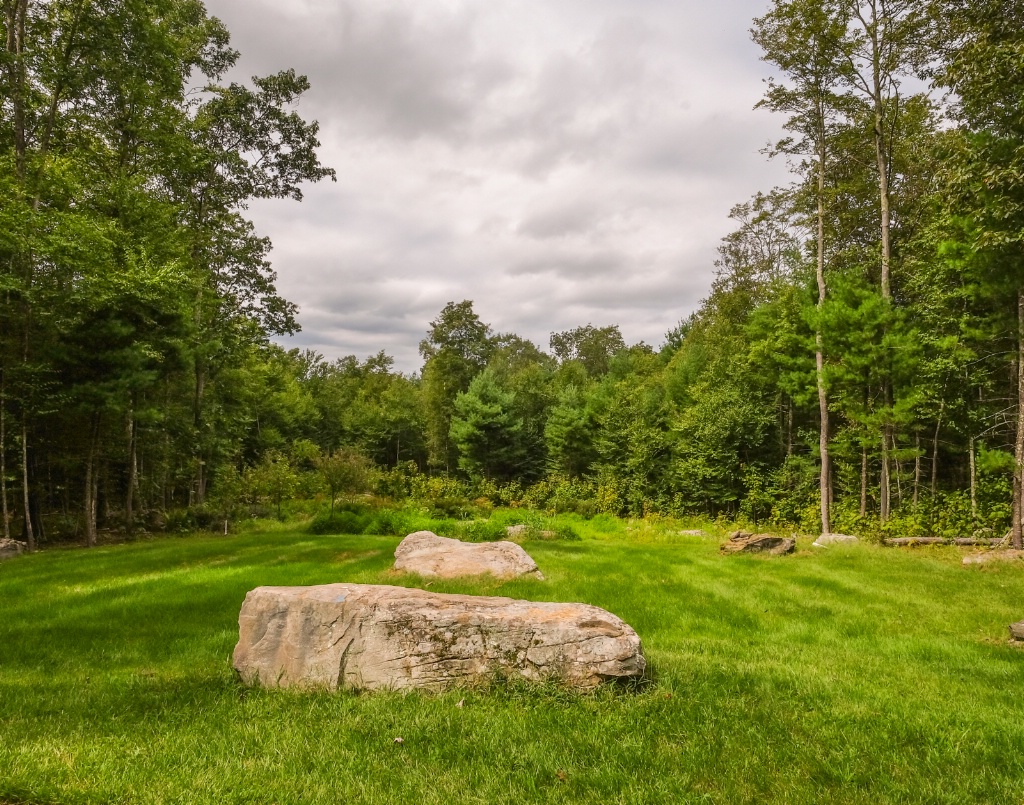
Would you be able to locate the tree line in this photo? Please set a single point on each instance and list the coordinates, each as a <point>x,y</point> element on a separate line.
<point>858,364</point>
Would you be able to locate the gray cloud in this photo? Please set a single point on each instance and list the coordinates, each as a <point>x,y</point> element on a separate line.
<point>557,163</point>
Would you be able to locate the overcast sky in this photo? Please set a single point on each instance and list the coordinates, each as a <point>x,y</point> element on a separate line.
<point>559,163</point>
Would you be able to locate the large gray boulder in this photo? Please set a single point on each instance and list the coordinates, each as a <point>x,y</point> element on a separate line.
<point>427,554</point>
<point>374,637</point>
<point>10,548</point>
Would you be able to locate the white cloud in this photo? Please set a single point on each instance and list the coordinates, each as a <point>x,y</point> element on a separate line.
<point>558,163</point>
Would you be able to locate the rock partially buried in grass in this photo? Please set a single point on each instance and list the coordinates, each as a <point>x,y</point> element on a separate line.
<point>374,637</point>
<point>522,531</point>
<point>746,542</point>
<point>10,548</point>
<point>834,539</point>
<point>427,554</point>
<point>1017,631</point>
<point>993,556</point>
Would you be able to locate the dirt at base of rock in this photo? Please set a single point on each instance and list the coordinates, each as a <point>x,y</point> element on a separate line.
<point>747,542</point>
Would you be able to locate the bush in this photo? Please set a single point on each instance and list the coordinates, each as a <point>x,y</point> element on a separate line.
<point>566,532</point>
<point>390,523</point>
<point>341,522</point>
<point>481,531</point>
<point>444,528</point>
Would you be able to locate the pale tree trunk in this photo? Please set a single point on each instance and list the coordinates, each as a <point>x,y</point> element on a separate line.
<point>974,484</point>
<point>883,506</point>
<point>824,478</point>
<point>863,481</point>
<point>16,12</point>
<point>91,484</point>
<point>133,472</point>
<point>30,534</point>
<point>935,453</point>
<point>873,28</point>
<point>3,454</point>
<point>200,390</point>
<point>789,427</point>
<point>917,468</point>
<point>899,472</point>
<point>1018,453</point>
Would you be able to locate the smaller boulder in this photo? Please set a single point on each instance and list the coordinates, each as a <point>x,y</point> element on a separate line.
<point>834,539</point>
<point>1017,631</point>
<point>746,542</point>
<point>427,554</point>
<point>985,557</point>
<point>524,531</point>
<point>10,548</point>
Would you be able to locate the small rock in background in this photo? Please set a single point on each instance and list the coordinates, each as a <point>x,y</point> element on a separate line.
<point>746,542</point>
<point>429,555</point>
<point>985,557</point>
<point>522,531</point>
<point>11,547</point>
<point>834,539</point>
<point>1017,631</point>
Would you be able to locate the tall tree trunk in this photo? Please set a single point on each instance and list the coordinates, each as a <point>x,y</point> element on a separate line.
<point>200,390</point>
<point>897,474</point>
<point>863,481</point>
<point>825,476</point>
<point>873,27</point>
<point>935,454</point>
<point>129,497</point>
<point>974,484</point>
<point>883,506</point>
<point>917,468</point>
<point>30,534</point>
<point>789,427</point>
<point>1018,453</point>
<point>91,491</point>
<point>3,454</point>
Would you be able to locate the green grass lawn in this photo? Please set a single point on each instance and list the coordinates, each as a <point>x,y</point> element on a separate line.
<point>852,675</point>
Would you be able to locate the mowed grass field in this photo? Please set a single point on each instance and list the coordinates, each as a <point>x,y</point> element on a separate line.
<point>848,675</point>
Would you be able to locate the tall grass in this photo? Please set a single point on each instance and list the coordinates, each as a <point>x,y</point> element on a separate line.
<point>854,675</point>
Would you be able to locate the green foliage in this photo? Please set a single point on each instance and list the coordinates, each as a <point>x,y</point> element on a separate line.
<point>486,430</point>
<point>592,347</point>
<point>345,470</point>
<point>339,522</point>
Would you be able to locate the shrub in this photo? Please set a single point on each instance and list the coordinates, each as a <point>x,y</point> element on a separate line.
<point>341,522</point>
<point>566,532</point>
<point>390,523</point>
<point>481,531</point>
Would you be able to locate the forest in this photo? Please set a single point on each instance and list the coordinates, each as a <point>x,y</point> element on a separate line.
<point>857,365</point>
